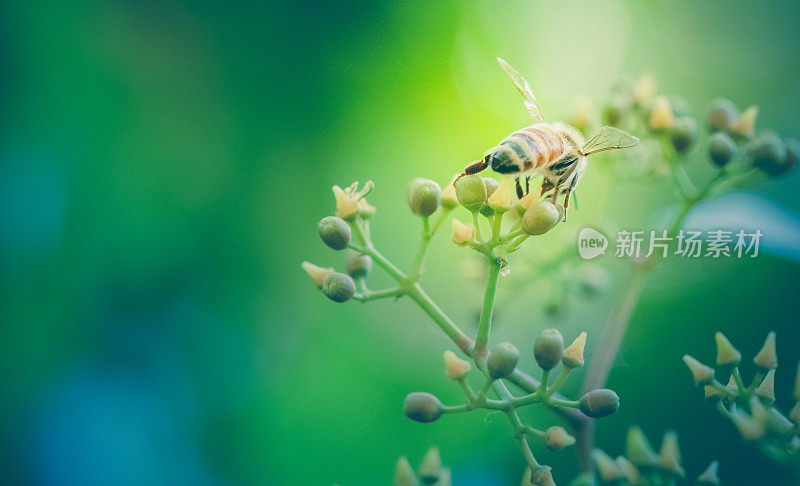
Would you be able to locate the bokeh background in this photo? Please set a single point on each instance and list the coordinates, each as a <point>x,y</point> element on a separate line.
<point>162,168</point>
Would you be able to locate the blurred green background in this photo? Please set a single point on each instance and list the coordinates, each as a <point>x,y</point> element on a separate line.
<point>163,166</point>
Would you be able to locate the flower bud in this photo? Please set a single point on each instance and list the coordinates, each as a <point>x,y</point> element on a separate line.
<point>767,358</point>
<point>766,390</point>
<point>471,192</point>
<point>422,407</point>
<point>502,360</point>
<point>462,233</point>
<point>726,353</point>
<point>683,134</point>
<point>449,199</point>
<point>700,372</point>
<point>607,467</point>
<point>431,467</point>
<point>542,476</point>
<point>491,187</point>
<point>661,117</point>
<point>445,477</point>
<point>556,438</point>
<point>744,127</point>
<point>721,149</point>
<point>338,287</point>
<point>722,114</point>
<point>358,265</point>
<point>540,218</point>
<point>599,403</point>
<point>573,355</point>
<point>424,196</point>
<point>670,455</point>
<point>767,152</point>
<point>346,204</point>
<point>403,474</point>
<point>316,273</point>
<point>548,348</point>
<point>713,393</point>
<point>732,385</point>
<point>335,232</point>
<point>644,90</point>
<point>628,470</point>
<point>501,199</point>
<point>709,476</point>
<point>455,367</point>
<point>638,450</point>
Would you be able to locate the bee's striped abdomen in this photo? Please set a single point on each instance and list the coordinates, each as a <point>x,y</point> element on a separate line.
<point>533,147</point>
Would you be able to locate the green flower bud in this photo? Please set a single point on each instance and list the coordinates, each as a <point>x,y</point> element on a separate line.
<point>713,393</point>
<point>422,407</point>
<point>721,149</point>
<point>638,450</point>
<point>449,198</point>
<point>358,265</point>
<point>767,152</point>
<point>709,476</point>
<point>338,287</point>
<point>722,114</point>
<point>599,403</point>
<point>556,438</point>
<point>683,133</point>
<point>767,357</point>
<point>700,372</point>
<point>540,218</point>
<point>607,467</point>
<point>424,196</point>
<point>670,455</point>
<point>403,474</point>
<point>628,470</point>
<point>766,390</point>
<point>502,360</point>
<point>726,353</point>
<point>431,468</point>
<point>335,232</point>
<point>491,187</point>
<point>548,348</point>
<point>471,192</point>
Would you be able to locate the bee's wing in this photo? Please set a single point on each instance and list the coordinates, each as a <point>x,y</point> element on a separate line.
<point>609,138</point>
<point>525,90</point>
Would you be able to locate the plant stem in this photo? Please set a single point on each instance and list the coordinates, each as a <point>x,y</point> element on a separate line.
<point>485,323</point>
<point>419,260</point>
<point>368,295</point>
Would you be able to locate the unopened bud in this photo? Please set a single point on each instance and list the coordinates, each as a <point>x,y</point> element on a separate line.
<point>709,476</point>
<point>721,149</point>
<point>449,199</point>
<point>670,455</point>
<point>732,385</point>
<point>502,360</point>
<point>767,357</point>
<point>700,372</point>
<point>726,353</point>
<point>661,117</point>
<point>403,474</point>
<point>422,407</point>
<point>335,232</point>
<point>316,273</point>
<point>431,467</point>
<point>722,114</point>
<point>548,348</point>
<point>683,133</point>
<point>599,403</point>
<point>471,192</point>
<point>491,187</point>
<point>638,450</point>
<point>628,470</point>
<point>358,265</point>
<point>573,355</point>
<point>607,467</point>
<point>455,367</point>
<point>766,390</point>
<point>424,196</point>
<point>540,218</point>
<point>501,200</point>
<point>556,438</point>
<point>338,287</point>
<point>744,127</point>
<point>713,393</point>
<point>767,152</point>
<point>462,233</point>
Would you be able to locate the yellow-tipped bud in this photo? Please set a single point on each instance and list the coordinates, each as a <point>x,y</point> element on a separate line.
<point>746,124</point>
<point>713,393</point>
<point>670,455</point>
<point>638,450</point>
<point>573,355</point>
<point>726,353</point>
<point>710,476</point>
<point>449,199</point>
<point>316,273</point>
<point>767,357</point>
<point>403,474</point>
<point>608,469</point>
<point>502,199</point>
<point>661,117</point>
<point>644,90</point>
<point>462,233</point>
<point>346,206</point>
<point>455,367</point>
<point>431,467</point>
<point>556,438</point>
<point>700,372</point>
<point>732,385</point>
<point>766,389</point>
<point>628,470</point>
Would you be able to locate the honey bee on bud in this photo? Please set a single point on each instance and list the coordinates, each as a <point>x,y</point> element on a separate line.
<point>557,151</point>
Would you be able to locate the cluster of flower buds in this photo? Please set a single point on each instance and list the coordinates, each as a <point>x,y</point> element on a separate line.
<point>430,471</point>
<point>641,465</point>
<point>751,407</point>
<point>501,364</point>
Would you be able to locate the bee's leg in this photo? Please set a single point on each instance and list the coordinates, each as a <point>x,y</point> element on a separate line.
<point>566,202</point>
<point>519,189</point>
<point>479,166</point>
<point>527,184</point>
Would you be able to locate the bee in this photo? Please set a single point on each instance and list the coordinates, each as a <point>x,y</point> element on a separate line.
<point>557,151</point>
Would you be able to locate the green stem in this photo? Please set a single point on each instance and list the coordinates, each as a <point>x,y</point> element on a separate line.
<point>485,322</point>
<point>419,260</point>
<point>476,222</point>
<point>559,381</point>
<point>368,295</point>
<point>497,224</point>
